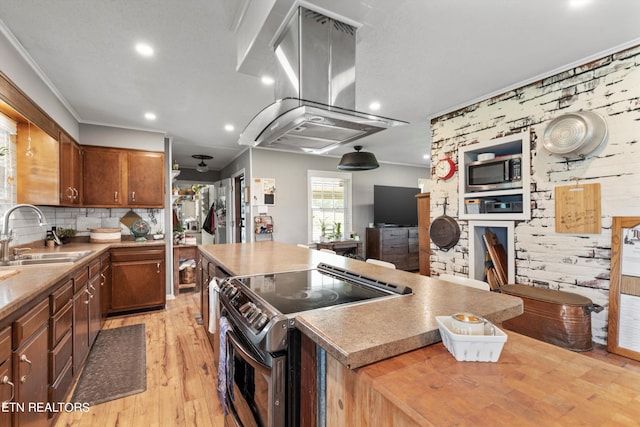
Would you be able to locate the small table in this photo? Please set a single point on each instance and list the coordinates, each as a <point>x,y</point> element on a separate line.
<point>350,248</point>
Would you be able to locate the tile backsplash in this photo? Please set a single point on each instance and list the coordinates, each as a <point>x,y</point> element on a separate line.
<point>26,230</point>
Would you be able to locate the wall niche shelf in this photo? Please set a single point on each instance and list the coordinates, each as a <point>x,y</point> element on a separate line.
<point>474,204</point>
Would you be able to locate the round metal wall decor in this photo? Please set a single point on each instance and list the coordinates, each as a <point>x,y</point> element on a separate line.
<point>575,134</point>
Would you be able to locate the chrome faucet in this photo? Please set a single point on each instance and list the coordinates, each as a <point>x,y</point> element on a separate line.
<point>7,234</point>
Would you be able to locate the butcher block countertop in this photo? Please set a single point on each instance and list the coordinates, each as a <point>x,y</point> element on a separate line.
<point>360,334</point>
<point>26,283</point>
<point>532,384</point>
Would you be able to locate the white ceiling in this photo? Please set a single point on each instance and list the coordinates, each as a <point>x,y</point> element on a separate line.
<point>418,58</point>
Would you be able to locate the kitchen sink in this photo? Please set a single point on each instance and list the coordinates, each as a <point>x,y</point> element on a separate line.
<point>39,258</point>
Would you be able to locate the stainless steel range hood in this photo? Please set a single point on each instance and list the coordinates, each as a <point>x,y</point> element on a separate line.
<point>315,90</point>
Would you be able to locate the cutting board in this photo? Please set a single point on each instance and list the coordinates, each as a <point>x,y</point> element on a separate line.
<point>578,209</point>
<point>498,274</point>
<point>129,218</point>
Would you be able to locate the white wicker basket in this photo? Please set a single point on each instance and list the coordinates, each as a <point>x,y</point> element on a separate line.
<point>471,348</point>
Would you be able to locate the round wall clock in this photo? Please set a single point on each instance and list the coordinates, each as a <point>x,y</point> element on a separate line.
<point>445,168</point>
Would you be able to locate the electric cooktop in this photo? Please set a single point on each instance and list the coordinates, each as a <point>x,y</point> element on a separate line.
<point>298,291</point>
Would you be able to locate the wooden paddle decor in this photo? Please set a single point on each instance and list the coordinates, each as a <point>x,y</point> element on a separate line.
<point>578,209</point>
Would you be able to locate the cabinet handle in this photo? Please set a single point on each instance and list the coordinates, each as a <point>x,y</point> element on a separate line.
<point>90,296</point>
<point>104,279</point>
<point>115,196</point>
<point>24,359</point>
<point>76,193</point>
<point>158,267</point>
<point>92,287</point>
<point>70,193</point>
<point>133,196</point>
<point>5,380</point>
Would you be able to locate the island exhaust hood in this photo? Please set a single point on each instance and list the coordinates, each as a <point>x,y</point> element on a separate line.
<point>315,90</point>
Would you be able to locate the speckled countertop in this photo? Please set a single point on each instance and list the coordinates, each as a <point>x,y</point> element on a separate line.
<point>34,281</point>
<point>360,334</point>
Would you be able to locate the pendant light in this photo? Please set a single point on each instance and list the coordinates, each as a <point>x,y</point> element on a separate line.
<point>358,160</point>
<point>29,152</point>
<point>202,166</point>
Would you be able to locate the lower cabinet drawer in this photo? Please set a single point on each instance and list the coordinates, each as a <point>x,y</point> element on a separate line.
<point>59,389</point>
<point>29,323</point>
<point>395,249</point>
<point>60,324</point>
<point>5,344</point>
<point>60,356</point>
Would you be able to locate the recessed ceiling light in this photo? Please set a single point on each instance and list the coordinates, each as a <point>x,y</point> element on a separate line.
<point>229,127</point>
<point>144,49</point>
<point>150,116</point>
<point>374,106</point>
<point>426,156</point>
<point>268,81</point>
<point>579,3</point>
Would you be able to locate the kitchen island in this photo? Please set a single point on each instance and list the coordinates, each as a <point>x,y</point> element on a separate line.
<point>360,334</point>
<point>385,365</point>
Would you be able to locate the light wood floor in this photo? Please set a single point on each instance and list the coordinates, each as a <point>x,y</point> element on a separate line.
<point>181,379</point>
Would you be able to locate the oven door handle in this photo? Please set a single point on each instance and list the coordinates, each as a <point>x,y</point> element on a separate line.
<point>246,355</point>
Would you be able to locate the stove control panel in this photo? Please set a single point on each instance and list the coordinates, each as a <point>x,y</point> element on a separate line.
<point>255,316</point>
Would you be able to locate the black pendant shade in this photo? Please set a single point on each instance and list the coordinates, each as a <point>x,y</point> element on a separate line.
<point>202,166</point>
<point>358,161</point>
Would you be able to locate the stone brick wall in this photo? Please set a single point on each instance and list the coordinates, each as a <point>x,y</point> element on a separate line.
<point>578,263</point>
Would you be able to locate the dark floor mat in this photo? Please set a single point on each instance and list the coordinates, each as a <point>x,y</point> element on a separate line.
<point>116,366</point>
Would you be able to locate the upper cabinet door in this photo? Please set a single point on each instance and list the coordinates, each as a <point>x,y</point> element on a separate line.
<point>70,171</point>
<point>145,179</point>
<point>102,173</point>
<point>116,177</point>
<point>37,166</point>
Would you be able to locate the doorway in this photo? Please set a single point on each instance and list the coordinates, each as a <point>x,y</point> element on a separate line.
<point>239,202</point>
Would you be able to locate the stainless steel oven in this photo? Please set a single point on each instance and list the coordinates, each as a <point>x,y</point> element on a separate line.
<point>256,385</point>
<point>262,345</point>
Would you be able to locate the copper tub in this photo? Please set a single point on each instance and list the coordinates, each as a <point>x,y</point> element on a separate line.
<point>557,317</point>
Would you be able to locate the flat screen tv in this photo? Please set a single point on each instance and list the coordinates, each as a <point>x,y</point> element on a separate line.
<point>395,206</point>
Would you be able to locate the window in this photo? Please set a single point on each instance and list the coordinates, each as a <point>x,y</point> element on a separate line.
<point>8,132</point>
<point>329,205</point>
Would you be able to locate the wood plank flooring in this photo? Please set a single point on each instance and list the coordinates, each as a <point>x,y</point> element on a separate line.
<point>181,378</point>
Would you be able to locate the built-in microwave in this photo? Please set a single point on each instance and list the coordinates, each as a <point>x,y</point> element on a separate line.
<point>499,173</point>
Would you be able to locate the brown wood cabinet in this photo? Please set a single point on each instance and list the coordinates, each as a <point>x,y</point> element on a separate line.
<point>204,309</point>
<point>424,242</point>
<point>95,309</point>
<point>7,384</point>
<point>80,319</point>
<point>105,285</point>
<point>115,177</point>
<point>102,177</point>
<point>145,179</point>
<point>38,175</point>
<point>137,278</point>
<point>30,367</point>
<point>397,245</point>
<point>44,345</point>
<point>61,342</point>
<point>70,171</point>
<point>52,174</point>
